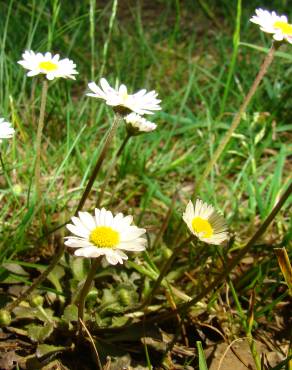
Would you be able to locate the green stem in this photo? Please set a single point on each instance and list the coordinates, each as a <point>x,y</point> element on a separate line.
<point>55,261</point>
<point>37,171</point>
<point>237,118</point>
<point>107,41</point>
<point>165,221</point>
<point>164,271</point>
<point>84,292</point>
<point>243,251</point>
<point>7,179</point>
<point>99,162</point>
<point>236,41</point>
<point>230,266</point>
<point>247,328</point>
<point>110,170</point>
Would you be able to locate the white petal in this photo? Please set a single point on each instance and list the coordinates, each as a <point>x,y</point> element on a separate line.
<point>88,252</point>
<point>77,243</point>
<point>77,230</point>
<point>87,220</point>
<point>131,233</point>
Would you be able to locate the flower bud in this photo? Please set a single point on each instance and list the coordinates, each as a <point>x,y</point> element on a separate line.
<point>5,318</point>
<point>36,301</point>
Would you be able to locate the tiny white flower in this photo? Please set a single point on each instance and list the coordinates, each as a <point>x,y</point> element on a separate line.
<point>50,65</point>
<point>205,223</point>
<point>105,235</point>
<point>271,22</point>
<point>137,124</point>
<point>6,130</point>
<point>142,102</point>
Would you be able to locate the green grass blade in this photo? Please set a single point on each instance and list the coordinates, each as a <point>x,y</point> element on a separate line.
<point>202,359</point>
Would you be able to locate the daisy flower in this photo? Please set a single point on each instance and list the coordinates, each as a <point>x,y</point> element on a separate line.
<point>6,130</point>
<point>205,223</point>
<point>142,102</point>
<point>105,235</point>
<point>50,65</point>
<point>137,124</point>
<point>271,22</point>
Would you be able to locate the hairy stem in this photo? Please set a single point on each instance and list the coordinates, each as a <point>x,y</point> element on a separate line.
<point>37,170</point>
<point>110,170</point>
<point>236,121</point>
<point>57,258</point>
<point>6,177</point>
<point>164,271</point>
<point>237,118</point>
<point>99,162</point>
<point>84,292</point>
<point>234,261</point>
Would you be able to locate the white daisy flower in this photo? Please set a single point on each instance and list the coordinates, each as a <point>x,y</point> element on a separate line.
<point>105,235</point>
<point>271,22</point>
<point>142,102</point>
<point>205,223</point>
<point>137,124</point>
<point>50,65</point>
<point>6,130</point>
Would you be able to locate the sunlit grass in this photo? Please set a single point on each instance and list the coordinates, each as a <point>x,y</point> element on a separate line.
<point>202,78</point>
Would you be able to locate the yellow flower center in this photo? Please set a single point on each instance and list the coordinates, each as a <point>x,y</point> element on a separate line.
<point>104,237</point>
<point>286,28</point>
<point>202,226</point>
<point>48,66</point>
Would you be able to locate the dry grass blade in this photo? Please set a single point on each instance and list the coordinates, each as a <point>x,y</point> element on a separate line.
<point>92,342</point>
<point>285,266</point>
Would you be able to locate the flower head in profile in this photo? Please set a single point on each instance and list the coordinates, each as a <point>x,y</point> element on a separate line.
<point>105,235</point>
<point>271,22</point>
<point>137,124</point>
<point>50,65</point>
<point>205,223</point>
<point>6,130</point>
<point>142,102</point>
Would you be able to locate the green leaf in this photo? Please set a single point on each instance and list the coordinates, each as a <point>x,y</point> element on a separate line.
<point>78,268</point>
<point>279,54</point>
<point>15,268</point>
<point>33,313</point>
<point>45,349</point>
<point>39,333</point>
<point>202,359</point>
<point>70,313</point>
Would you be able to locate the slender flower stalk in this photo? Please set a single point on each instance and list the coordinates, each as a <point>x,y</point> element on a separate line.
<point>6,176</point>
<point>102,235</point>
<point>84,292</point>
<point>56,260</point>
<point>99,162</point>
<point>37,171</point>
<point>163,272</point>
<point>237,118</point>
<point>232,263</point>
<point>236,121</point>
<point>110,170</point>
